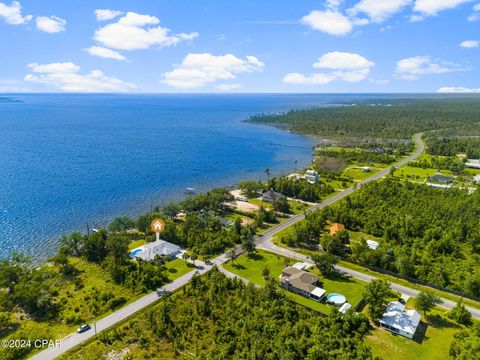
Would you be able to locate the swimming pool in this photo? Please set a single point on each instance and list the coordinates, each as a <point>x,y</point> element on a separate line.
<point>135,252</point>
<point>336,299</point>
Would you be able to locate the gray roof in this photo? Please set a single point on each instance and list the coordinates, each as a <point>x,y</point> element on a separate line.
<point>441,178</point>
<point>272,195</point>
<point>396,317</point>
<point>160,248</point>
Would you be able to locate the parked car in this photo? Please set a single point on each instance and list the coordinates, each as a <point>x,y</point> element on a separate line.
<point>83,328</point>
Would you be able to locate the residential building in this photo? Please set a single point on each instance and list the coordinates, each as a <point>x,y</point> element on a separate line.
<point>311,176</point>
<point>441,179</point>
<point>335,228</point>
<point>225,222</point>
<point>373,245</point>
<point>271,196</point>
<point>400,321</point>
<point>302,283</point>
<point>473,163</point>
<point>344,308</point>
<point>159,248</point>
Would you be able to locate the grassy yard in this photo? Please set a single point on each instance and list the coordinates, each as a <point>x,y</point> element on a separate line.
<point>443,294</point>
<point>177,268</point>
<point>136,243</point>
<point>297,207</point>
<point>433,345</point>
<point>251,268</point>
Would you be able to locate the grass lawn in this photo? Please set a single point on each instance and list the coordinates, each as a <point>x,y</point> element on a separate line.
<point>259,202</point>
<point>177,268</point>
<point>443,294</point>
<point>251,268</point>
<point>297,207</point>
<point>433,345</point>
<point>358,235</point>
<point>136,243</point>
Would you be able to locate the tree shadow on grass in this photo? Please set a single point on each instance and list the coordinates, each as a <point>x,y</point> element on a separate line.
<point>239,266</point>
<point>339,277</point>
<point>438,321</point>
<point>420,334</point>
<point>256,256</point>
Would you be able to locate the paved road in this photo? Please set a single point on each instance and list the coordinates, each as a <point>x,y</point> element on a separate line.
<point>75,339</point>
<point>264,241</point>
<point>294,219</point>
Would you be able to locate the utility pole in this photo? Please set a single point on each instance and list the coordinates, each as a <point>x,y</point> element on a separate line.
<point>95,327</point>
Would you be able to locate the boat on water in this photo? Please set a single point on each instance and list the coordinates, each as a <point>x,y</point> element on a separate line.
<point>190,191</point>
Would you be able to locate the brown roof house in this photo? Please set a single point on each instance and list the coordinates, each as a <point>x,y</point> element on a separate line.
<point>335,228</point>
<point>302,283</point>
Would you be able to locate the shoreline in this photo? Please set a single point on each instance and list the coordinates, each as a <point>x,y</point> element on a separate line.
<point>51,245</point>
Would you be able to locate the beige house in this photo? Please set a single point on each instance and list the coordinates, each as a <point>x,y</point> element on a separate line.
<point>302,283</point>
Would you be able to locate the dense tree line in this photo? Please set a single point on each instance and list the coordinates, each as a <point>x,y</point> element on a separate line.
<point>447,146</point>
<point>427,233</point>
<point>399,120</point>
<point>300,189</point>
<point>220,318</point>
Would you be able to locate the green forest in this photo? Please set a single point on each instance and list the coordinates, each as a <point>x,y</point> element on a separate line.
<point>395,119</point>
<point>426,233</point>
<point>214,317</point>
<point>447,146</point>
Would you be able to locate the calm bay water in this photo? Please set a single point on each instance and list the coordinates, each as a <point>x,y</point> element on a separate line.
<point>67,160</point>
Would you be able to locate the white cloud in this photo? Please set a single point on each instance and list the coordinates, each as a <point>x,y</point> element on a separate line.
<point>411,68</point>
<point>470,44</point>
<point>476,7</point>
<point>378,11</point>
<point>105,53</point>
<point>328,21</point>
<point>457,89</point>
<point>135,31</point>
<point>52,24</point>
<point>433,7</point>
<point>228,87</point>
<point>12,14</point>
<point>342,66</point>
<point>473,17</point>
<point>106,14</point>
<point>198,70</point>
<point>66,77</point>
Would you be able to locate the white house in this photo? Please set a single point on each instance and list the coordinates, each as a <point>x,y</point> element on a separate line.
<point>345,307</point>
<point>148,251</point>
<point>473,163</point>
<point>400,321</point>
<point>373,245</point>
<point>311,176</point>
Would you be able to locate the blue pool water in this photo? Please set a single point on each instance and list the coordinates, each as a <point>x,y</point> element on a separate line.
<point>337,299</point>
<point>135,252</point>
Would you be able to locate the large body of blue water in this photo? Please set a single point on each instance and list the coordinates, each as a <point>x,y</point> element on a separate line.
<point>67,160</point>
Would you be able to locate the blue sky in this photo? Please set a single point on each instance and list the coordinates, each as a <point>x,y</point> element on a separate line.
<point>245,46</point>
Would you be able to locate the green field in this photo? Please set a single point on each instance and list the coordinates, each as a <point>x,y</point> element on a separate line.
<point>177,268</point>
<point>434,345</point>
<point>251,268</point>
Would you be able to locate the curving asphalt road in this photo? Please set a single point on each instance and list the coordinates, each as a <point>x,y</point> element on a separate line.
<point>263,242</point>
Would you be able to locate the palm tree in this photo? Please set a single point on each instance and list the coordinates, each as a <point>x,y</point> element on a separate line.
<point>232,255</point>
<point>268,172</point>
